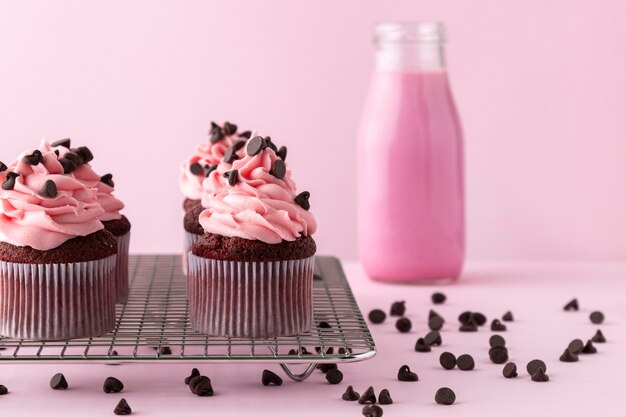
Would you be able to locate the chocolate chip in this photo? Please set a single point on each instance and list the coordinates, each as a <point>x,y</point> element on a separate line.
<point>598,337</point>
<point>209,169</point>
<point>196,169</point>
<point>68,165</point>
<point>497,326</point>
<point>445,396</point>
<point>195,382</point>
<point>57,153</point>
<point>447,360</point>
<point>76,159</point>
<point>405,374</point>
<point>58,382</point>
<point>572,305</point>
<point>324,325</point>
<point>421,346</point>
<point>465,362</point>
<point>230,128</point>
<point>108,180</point>
<point>232,176</point>
<point>377,316</point>
<point>398,308</point>
<point>368,397</point>
<point>9,181</point>
<point>255,145</point>
<point>479,318</point>
<point>282,153</point>
<point>509,370</point>
<point>194,373</point>
<point>3,167</point>
<point>497,340</point>
<point>568,356</point>
<point>438,298</point>
<point>326,367</point>
<point>3,390</point>
<point>85,154</point>
<point>436,322</point>
<point>270,378</point>
<point>270,144</point>
<point>498,354</point>
<point>302,200</point>
<point>334,376</point>
<point>66,143</point>
<point>122,408</point>
<point>112,384</point>
<point>469,326</point>
<point>216,134</point>
<point>204,388</point>
<point>465,317</point>
<point>372,410</point>
<point>508,316</point>
<point>589,348</point>
<point>540,376</point>
<point>433,338</point>
<point>246,134</point>
<point>33,159</point>
<point>596,317</point>
<point>231,154</point>
<point>343,351</point>
<point>350,394</point>
<point>165,350</point>
<point>576,346</point>
<point>384,397</point>
<point>534,365</point>
<point>403,325</point>
<point>279,169</point>
<point>49,189</point>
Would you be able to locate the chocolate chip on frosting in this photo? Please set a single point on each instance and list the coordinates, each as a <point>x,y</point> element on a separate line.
<point>282,153</point>
<point>209,169</point>
<point>77,160</point>
<point>216,134</point>
<point>3,167</point>
<point>270,144</point>
<point>279,169</point>
<point>49,189</point>
<point>108,180</point>
<point>302,200</point>
<point>230,128</point>
<point>9,181</point>
<point>232,176</point>
<point>85,154</point>
<point>247,134</point>
<point>33,159</point>
<point>231,153</point>
<point>255,145</point>
<point>196,169</point>
<point>62,142</point>
<point>68,165</point>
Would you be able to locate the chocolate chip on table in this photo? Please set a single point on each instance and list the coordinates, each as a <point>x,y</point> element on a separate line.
<point>384,397</point>
<point>433,338</point>
<point>372,410</point>
<point>447,360</point>
<point>165,350</point>
<point>369,396</point>
<point>598,337</point>
<point>326,367</point>
<point>204,388</point>
<point>194,373</point>
<point>405,374</point>
<point>193,382</point>
<point>84,153</point>
<point>421,346</point>
<point>49,189</point>
<point>469,326</point>
<point>540,376</point>
<point>398,308</point>
<point>334,376</point>
<point>255,145</point>
<point>568,356</point>
<point>498,354</point>
<point>66,143</point>
<point>324,325</point>
<point>572,305</point>
<point>343,351</point>
<point>508,316</point>
<point>377,316</point>
<point>230,128</point>
<point>509,370</point>
<point>245,134</point>
<point>479,318</point>
<point>232,177</point>
<point>436,322</point>
<point>302,200</point>
<point>58,382</point>
<point>533,366</point>
<point>403,325</point>
<point>9,181</point>
<point>589,348</point>
<point>196,169</point>
<point>282,153</point>
<point>279,170</point>
<point>33,159</point>
<point>350,394</point>
<point>3,390</point>
<point>596,317</point>
<point>576,346</point>
<point>497,326</point>
<point>3,167</point>
<point>465,317</point>
<point>107,179</point>
<point>270,378</point>
<point>497,340</point>
<point>445,396</point>
<point>112,384</point>
<point>465,362</point>
<point>438,298</point>
<point>122,408</point>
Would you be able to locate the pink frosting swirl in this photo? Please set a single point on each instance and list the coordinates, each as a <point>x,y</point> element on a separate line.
<point>258,207</point>
<point>29,219</point>
<point>206,153</point>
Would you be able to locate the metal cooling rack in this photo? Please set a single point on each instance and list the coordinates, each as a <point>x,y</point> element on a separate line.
<point>154,322</point>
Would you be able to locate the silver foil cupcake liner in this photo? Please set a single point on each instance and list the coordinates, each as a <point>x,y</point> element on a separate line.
<point>189,239</point>
<point>250,299</point>
<point>121,269</point>
<point>57,301</point>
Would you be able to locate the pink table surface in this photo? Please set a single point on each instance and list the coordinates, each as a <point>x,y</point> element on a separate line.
<point>534,292</point>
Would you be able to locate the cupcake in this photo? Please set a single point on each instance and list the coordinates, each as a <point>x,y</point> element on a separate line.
<point>205,159</point>
<point>56,258</point>
<point>250,274</point>
<point>77,161</point>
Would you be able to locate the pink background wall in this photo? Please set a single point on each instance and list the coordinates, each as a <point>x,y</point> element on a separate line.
<point>541,87</point>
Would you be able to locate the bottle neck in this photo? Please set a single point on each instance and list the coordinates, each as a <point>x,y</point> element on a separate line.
<point>410,57</point>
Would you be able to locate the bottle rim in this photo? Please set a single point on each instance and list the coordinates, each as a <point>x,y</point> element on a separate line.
<point>410,32</point>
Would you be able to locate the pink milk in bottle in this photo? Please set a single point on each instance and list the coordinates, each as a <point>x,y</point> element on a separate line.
<point>410,161</point>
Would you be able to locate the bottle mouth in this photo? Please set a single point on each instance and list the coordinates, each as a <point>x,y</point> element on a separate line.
<point>410,32</point>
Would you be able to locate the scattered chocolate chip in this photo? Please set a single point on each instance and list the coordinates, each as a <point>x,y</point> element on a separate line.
<point>195,382</point>
<point>58,382</point>
<point>572,305</point>
<point>204,387</point>
<point>368,397</point>
<point>255,145</point>
<point>433,338</point>
<point>270,378</point>
<point>598,337</point>
<point>497,340</point>
<point>194,373</point>
<point>3,390</point>
<point>279,169</point>
<point>282,153</point>
<point>112,384</point>
<point>326,367</point>
<point>596,317</point>
<point>122,408</point>
<point>49,189</point>
<point>540,376</point>
<point>350,394</point>
<point>114,353</point>
<point>302,200</point>
<point>232,176</point>
<point>343,351</point>
<point>384,397</point>
<point>3,167</point>
<point>421,346</point>
<point>66,143</point>
<point>534,365</point>
<point>508,316</point>
<point>509,370</point>
<point>270,144</point>
<point>246,134</point>
<point>317,277</point>
<point>398,308</point>
<point>68,165</point>
<point>447,360</point>
<point>589,348</point>
<point>465,362</point>
<point>196,169</point>
<point>216,134</point>
<point>576,346</point>
<point>445,396</point>
<point>469,326</point>
<point>465,317</point>
<point>436,322</point>
<point>324,325</point>
<point>230,128</point>
<point>479,318</point>
<point>9,181</point>
<point>372,410</point>
<point>165,350</point>
<point>498,354</point>
<point>438,298</point>
<point>568,356</point>
<point>405,374</point>
<point>377,316</point>
<point>403,325</point>
<point>33,159</point>
<point>85,154</point>
<point>497,326</point>
<point>334,376</point>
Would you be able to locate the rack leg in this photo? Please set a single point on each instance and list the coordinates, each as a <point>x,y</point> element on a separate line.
<point>301,376</point>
